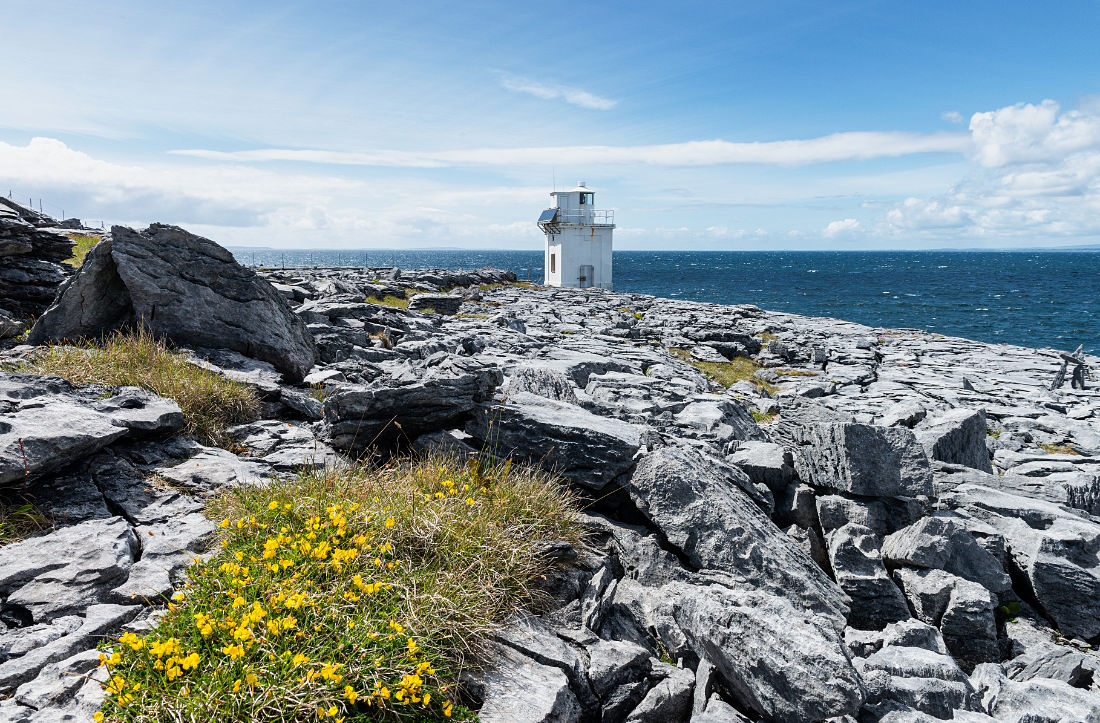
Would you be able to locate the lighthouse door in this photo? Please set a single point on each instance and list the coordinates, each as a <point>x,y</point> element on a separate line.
<point>585,277</point>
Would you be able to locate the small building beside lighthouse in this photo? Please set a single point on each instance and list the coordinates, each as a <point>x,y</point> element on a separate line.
<point>578,240</point>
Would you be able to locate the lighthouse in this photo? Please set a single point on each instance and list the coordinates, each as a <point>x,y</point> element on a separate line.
<point>578,240</point>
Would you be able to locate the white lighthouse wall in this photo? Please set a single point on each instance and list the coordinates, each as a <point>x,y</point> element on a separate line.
<point>579,246</point>
<point>553,246</point>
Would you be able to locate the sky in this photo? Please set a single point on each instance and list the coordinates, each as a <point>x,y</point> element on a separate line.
<point>703,125</point>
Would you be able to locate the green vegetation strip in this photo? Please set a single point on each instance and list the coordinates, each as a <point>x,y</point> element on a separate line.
<point>210,402</point>
<point>739,369</point>
<point>83,245</point>
<point>19,520</point>
<point>347,594</point>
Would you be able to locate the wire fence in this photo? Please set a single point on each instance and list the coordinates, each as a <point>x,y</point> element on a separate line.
<point>54,211</point>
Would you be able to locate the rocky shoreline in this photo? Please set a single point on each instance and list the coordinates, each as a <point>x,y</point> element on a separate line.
<point>869,524</point>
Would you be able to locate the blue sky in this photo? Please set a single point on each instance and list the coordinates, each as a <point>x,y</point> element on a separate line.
<point>704,125</point>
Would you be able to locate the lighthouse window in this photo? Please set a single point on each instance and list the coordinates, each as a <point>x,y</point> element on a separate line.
<point>586,199</point>
<point>553,263</point>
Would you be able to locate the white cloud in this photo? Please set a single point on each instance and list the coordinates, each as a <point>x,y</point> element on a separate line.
<point>952,116</point>
<point>574,96</point>
<point>844,226</point>
<point>1026,132</point>
<point>856,145</point>
<point>1037,176</point>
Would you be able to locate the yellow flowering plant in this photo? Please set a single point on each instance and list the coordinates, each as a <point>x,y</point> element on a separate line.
<point>345,594</point>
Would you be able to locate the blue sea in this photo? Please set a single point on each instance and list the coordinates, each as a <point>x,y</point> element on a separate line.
<point>1037,299</point>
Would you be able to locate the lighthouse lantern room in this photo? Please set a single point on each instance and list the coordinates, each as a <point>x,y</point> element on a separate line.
<point>578,240</point>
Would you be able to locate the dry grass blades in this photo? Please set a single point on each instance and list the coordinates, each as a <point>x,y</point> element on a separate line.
<point>210,402</point>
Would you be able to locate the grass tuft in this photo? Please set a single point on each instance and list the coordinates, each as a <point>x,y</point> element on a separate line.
<point>389,300</point>
<point>739,369</point>
<point>18,521</point>
<point>84,244</point>
<point>210,402</point>
<point>1052,448</point>
<point>764,417</point>
<point>353,594</point>
<point>796,373</point>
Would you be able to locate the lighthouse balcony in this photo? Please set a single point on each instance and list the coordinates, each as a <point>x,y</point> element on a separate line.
<point>581,217</point>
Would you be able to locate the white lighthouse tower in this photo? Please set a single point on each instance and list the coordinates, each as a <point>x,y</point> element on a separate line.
<point>578,240</point>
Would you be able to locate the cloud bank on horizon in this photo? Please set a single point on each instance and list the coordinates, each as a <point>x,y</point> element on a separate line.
<point>384,147</point>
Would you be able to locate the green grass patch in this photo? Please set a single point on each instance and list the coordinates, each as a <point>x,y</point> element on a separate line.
<point>764,417</point>
<point>523,284</point>
<point>210,402</point>
<point>1052,448</point>
<point>739,369</point>
<point>796,373</point>
<point>767,336</point>
<point>353,594</point>
<point>994,433</point>
<point>19,520</point>
<point>389,300</point>
<point>83,245</point>
<point>630,312</point>
<point>466,315</point>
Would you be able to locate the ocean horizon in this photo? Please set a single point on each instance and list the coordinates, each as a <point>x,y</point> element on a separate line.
<point>1033,298</point>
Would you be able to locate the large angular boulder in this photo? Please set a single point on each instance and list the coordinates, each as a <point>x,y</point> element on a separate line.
<point>945,544</point>
<point>781,660</point>
<point>958,437</point>
<point>587,448</point>
<point>412,401</point>
<point>700,505</point>
<point>835,452</point>
<point>184,287</point>
<point>856,560</point>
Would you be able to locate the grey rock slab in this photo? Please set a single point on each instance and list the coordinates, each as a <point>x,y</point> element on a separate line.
<point>99,620</point>
<point>587,448</point>
<point>968,625</point>
<point>699,504</point>
<point>957,436</point>
<point>46,423</point>
<point>68,569</point>
<point>541,380</point>
<point>185,287</point>
<point>519,690</point>
<point>945,544</point>
<point>836,453</point>
<point>615,662</point>
<point>286,447</point>
<point>1033,701</point>
<point>856,560</point>
<point>765,463</point>
<point>818,682</point>
<point>212,470</point>
<point>718,711</point>
<point>416,399</point>
<point>669,700</point>
<point>58,683</point>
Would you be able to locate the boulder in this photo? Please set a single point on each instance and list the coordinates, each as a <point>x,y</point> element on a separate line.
<point>542,380</point>
<point>587,448</point>
<point>420,398</point>
<point>700,506</point>
<point>1033,701</point>
<point>184,287</point>
<point>765,463</point>
<point>436,303</point>
<point>856,561</point>
<point>945,544</point>
<point>518,690</point>
<point>958,437</point>
<point>916,679</point>
<point>751,637</point>
<point>836,453</point>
